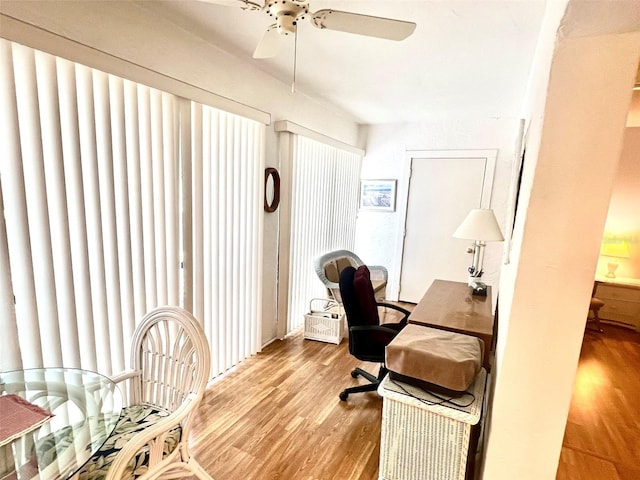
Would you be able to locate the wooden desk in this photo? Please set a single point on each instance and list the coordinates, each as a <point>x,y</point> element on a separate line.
<point>450,306</point>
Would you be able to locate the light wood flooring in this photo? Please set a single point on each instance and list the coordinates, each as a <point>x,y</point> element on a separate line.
<point>278,416</point>
<point>602,437</point>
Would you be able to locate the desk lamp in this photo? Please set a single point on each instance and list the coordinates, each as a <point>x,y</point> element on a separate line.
<point>481,226</point>
<point>613,248</point>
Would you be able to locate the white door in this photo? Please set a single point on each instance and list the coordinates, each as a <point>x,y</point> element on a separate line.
<point>443,188</point>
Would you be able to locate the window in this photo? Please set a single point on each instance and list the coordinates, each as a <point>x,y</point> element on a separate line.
<point>324,207</point>
<point>98,226</point>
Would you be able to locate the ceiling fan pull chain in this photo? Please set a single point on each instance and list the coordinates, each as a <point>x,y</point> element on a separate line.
<point>295,57</point>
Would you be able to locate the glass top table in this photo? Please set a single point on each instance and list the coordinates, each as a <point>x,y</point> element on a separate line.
<point>85,408</point>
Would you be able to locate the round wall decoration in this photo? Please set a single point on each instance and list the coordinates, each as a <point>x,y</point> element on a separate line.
<point>271,189</point>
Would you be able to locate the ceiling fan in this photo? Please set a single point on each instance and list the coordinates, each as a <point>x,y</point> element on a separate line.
<point>288,13</point>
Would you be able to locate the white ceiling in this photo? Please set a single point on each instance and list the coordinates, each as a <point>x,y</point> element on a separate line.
<point>466,58</point>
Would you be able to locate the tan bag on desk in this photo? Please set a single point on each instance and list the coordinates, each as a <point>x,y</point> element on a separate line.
<point>434,359</point>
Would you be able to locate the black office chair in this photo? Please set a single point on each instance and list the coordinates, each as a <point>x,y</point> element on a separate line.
<point>367,338</point>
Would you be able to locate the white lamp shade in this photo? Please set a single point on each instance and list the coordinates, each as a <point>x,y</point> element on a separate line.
<point>480,224</point>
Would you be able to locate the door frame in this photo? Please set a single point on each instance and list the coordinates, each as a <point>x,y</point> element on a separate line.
<point>489,155</point>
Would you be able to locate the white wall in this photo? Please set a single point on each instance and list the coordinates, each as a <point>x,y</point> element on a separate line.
<point>386,157</point>
<point>146,41</point>
<point>578,105</point>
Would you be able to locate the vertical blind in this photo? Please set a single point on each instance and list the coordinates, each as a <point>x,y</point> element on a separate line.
<point>92,232</point>
<point>323,216</point>
<point>227,166</point>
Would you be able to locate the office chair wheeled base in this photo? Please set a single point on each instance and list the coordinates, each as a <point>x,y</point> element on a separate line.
<point>372,386</point>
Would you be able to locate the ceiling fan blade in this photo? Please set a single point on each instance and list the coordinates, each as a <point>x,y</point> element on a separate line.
<point>269,44</point>
<point>244,4</point>
<point>363,24</point>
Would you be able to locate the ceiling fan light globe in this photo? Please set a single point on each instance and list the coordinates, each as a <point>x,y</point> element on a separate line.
<point>286,24</point>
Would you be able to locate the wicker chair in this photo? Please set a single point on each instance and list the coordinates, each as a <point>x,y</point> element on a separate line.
<point>170,360</point>
<point>330,265</point>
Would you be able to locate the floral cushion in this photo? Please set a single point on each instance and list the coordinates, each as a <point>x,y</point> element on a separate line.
<point>132,420</point>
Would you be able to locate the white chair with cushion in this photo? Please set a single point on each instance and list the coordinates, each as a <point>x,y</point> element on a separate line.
<point>171,360</point>
<point>330,265</point>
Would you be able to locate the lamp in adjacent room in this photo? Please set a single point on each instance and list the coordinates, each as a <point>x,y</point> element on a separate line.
<point>481,226</point>
<point>614,249</point>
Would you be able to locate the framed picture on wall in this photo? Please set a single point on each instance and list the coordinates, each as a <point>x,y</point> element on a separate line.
<point>378,195</point>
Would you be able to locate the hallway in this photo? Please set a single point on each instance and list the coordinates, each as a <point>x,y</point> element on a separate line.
<point>602,437</point>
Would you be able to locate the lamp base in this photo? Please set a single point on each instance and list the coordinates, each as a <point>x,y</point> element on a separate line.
<point>478,289</point>
<point>611,267</point>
